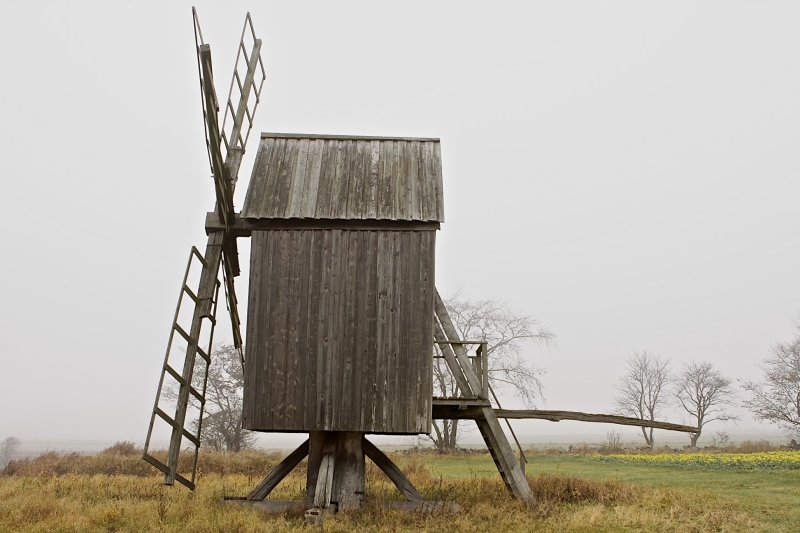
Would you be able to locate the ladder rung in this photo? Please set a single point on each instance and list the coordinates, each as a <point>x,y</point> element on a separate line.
<point>204,355</point>
<point>183,333</point>
<point>191,293</point>
<point>165,469</point>
<point>197,253</point>
<point>185,481</point>
<point>179,379</point>
<point>155,462</point>
<point>168,419</point>
<point>192,342</point>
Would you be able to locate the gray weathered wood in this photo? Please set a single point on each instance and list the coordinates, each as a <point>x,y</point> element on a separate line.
<point>556,416</point>
<point>244,227</point>
<point>503,456</point>
<point>343,324</point>
<point>468,409</point>
<point>487,422</point>
<point>353,178</point>
<point>205,293</point>
<point>324,488</point>
<point>247,86</point>
<point>273,135</point>
<point>452,361</point>
<point>348,480</point>
<point>317,448</point>
<point>392,471</point>
<point>460,352</point>
<point>277,474</point>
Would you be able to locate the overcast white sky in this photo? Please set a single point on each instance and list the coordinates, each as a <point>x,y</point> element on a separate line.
<point>626,172</point>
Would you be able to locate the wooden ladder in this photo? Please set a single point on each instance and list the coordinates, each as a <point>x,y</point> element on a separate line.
<point>191,381</point>
<point>485,417</point>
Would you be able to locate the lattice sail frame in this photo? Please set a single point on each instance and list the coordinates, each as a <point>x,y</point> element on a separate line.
<point>251,67</point>
<point>198,395</point>
<point>226,143</point>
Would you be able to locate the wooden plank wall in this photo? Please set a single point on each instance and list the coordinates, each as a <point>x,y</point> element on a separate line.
<point>339,331</point>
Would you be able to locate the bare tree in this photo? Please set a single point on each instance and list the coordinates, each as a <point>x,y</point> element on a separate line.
<point>506,333</point>
<point>8,449</point>
<point>222,421</point>
<point>777,399</point>
<point>642,390</point>
<point>703,393</point>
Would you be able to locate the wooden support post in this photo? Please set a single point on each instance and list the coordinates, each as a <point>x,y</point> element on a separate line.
<point>324,487</point>
<point>348,478</point>
<point>335,470</point>
<point>503,455</point>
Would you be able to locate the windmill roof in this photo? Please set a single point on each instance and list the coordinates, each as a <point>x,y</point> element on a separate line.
<point>346,177</point>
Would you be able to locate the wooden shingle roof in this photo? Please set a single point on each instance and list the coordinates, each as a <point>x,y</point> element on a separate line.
<point>346,178</point>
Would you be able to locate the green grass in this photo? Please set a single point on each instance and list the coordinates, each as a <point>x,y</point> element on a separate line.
<point>772,497</point>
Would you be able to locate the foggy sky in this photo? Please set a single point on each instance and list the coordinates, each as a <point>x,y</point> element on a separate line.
<point>625,172</point>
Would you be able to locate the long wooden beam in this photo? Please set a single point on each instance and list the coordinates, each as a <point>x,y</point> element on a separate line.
<point>557,416</point>
<point>470,409</point>
<point>244,227</point>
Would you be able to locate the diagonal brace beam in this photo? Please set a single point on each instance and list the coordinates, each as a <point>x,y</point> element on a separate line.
<point>392,471</point>
<point>278,473</point>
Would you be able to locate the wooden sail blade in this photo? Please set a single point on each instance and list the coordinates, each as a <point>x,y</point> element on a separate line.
<point>233,305</point>
<point>191,386</point>
<point>244,95</point>
<point>222,185</point>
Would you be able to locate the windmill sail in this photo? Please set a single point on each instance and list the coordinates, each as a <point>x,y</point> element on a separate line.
<point>190,380</point>
<point>225,145</point>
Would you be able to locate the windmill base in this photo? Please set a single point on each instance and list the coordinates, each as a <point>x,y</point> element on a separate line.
<point>335,478</point>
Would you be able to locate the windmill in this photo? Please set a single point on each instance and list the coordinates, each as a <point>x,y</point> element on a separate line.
<point>343,316</point>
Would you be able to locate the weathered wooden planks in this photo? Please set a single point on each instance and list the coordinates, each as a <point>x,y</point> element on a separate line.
<point>347,178</point>
<point>339,331</point>
<point>335,472</point>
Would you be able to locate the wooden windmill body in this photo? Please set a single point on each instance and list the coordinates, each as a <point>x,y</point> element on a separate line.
<point>343,314</point>
<point>340,310</point>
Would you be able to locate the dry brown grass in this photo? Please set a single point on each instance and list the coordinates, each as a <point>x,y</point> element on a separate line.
<point>122,459</point>
<point>131,503</point>
<point>116,490</point>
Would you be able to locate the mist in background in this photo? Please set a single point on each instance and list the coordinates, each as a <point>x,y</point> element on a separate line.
<point>625,172</point>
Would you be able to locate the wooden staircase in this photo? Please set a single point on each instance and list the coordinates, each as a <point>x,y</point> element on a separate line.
<point>473,381</point>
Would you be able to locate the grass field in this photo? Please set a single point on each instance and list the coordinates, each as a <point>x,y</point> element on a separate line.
<point>576,492</point>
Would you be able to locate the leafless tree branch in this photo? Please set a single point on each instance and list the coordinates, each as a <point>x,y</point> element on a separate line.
<point>641,391</point>
<point>703,393</point>
<point>509,335</point>
<point>777,398</point>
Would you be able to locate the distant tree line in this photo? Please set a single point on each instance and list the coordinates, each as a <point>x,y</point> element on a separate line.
<point>702,392</point>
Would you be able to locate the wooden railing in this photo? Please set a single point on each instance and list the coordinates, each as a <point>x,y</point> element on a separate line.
<point>480,366</point>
